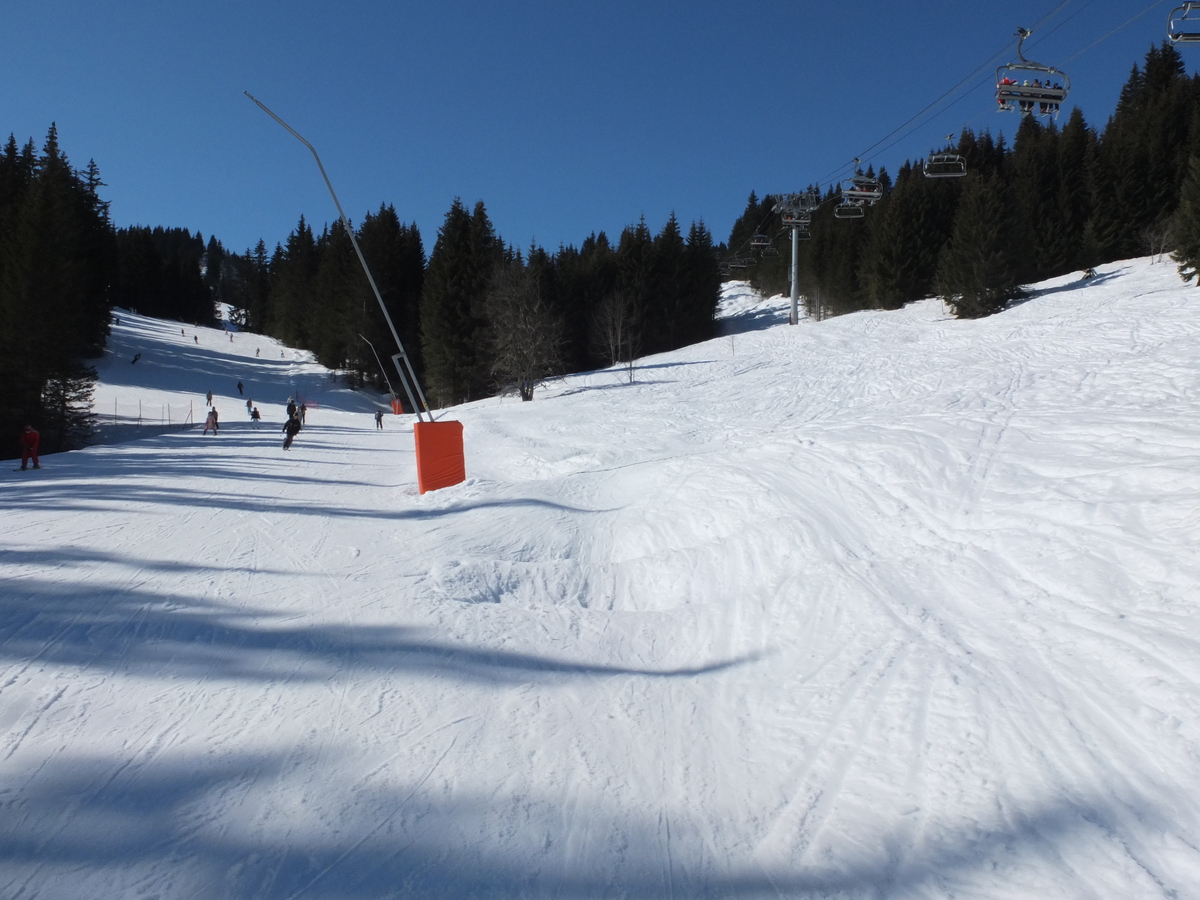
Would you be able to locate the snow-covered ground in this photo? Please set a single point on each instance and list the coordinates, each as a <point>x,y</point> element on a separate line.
<point>886,606</point>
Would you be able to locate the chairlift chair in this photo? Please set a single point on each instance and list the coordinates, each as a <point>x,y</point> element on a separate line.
<point>760,242</point>
<point>849,209</point>
<point>794,218</point>
<point>1016,93</point>
<point>944,165</point>
<point>770,251</point>
<point>861,189</point>
<point>1183,25</point>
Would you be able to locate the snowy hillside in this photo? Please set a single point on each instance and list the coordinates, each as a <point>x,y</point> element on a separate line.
<point>886,606</point>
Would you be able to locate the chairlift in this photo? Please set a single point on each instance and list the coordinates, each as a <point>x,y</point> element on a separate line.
<point>849,209</point>
<point>770,251</point>
<point>742,262</point>
<point>944,164</point>
<point>859,190</point>
<point>1183,25</point>
<point>760,242</point>
<point>796,209</point>
<point>1015,92</point>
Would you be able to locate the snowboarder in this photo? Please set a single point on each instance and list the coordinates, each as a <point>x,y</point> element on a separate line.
<point>254,416</point>
<point>29,447</point>
<point>379,419</point>
<point>239,388</point>
<point>292,427</point>
<point>210,421</point>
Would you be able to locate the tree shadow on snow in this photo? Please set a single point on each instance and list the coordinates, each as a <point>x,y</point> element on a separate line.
<point>147,633</point>
<point>136,827</point>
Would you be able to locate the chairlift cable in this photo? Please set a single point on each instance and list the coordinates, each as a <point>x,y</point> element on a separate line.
<point>986,65</point>
<point>1156,3</point>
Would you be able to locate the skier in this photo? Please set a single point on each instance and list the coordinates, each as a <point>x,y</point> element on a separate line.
<point>257,350</point>
<point>292,427</point>
<point>379,419</point>
<point>210,421</point>
<point>208,399</point>
<point>239,388</point>
<point>29,447</point>
<point>254,416</point>
<point>303,413</point>
<point>249,406</point>
<point>291,407</point>
<point>136,357</point>
<point>196,338</point>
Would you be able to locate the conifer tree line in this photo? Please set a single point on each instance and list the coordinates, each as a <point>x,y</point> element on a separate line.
<point>1059,200</point>
<point>57,257</point>
<point>480,316</point>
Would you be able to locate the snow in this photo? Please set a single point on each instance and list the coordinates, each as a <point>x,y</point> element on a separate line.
<point>885,606</point>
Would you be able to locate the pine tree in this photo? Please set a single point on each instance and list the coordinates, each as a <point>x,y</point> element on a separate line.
<point>526,332</point>
<point>1186,226</point>
<point>978,270</point>
<point>456,283</point>
<point>294,269</point>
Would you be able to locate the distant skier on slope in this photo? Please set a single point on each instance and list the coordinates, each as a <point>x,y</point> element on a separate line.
<point>210,421</point>
<point>29,447</point>
<point>379,419</point>
<point>291,407</point>
<point>292,427</point>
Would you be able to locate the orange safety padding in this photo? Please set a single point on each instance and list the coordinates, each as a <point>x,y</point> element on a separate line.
<point>398,407</point>
<point>440,461</point>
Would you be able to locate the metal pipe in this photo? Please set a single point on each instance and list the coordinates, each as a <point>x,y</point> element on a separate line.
<point>382,370</point>
<point>795,316</point>
<point>362,259</point>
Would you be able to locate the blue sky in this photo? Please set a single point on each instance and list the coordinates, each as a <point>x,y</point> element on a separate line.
<point>564,118</point>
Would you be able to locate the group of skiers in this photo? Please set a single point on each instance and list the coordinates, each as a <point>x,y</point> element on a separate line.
<point>295,420</point>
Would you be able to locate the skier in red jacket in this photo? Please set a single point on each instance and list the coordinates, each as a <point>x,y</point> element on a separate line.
<point>29,445</point>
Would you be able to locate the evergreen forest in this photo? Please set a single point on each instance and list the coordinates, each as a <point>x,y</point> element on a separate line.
<point>1060,199</point>
<point>478,316</point>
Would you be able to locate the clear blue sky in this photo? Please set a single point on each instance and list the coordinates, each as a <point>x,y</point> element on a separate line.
<point>564,118</point>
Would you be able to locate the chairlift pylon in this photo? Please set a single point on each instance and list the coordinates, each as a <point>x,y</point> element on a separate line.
<point>1016,93</point>
<point>1183,25</point>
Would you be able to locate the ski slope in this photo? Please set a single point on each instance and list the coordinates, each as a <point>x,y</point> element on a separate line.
<point>886,606</point>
